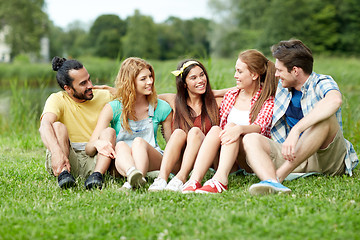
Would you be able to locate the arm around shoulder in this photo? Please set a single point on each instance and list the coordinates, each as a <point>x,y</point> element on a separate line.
<point>169,98</point>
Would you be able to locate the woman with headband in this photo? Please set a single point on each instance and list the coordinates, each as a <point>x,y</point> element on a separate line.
<point>195,112</point>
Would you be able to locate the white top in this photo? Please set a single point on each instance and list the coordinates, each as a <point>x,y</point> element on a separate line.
<point>239,117</point>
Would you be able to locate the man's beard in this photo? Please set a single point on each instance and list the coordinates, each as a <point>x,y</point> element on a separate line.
<point>82,96</point>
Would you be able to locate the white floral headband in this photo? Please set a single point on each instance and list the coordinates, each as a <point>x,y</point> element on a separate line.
<point>184,66</point>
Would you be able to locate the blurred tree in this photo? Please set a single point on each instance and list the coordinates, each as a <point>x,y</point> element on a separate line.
<point>75,41</point>
<point>171,39</point>
<point>141,37</point>
<point>348,14</point>
<point>27,22</point>
<point>179,38</point>
<point>106,34</point>
<point>56,37</point>
<point>324,25</point>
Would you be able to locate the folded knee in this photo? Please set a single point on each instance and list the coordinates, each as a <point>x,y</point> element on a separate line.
<point>195,133</point>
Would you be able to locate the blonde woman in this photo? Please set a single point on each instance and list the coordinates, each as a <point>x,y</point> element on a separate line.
<point>134,117</point>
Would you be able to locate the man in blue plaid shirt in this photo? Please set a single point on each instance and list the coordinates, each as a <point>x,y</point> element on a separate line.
<point>306,127</point>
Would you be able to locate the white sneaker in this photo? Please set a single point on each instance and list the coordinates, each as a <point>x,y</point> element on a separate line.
<point>159,184</point>
<point>175,185</point>
<point>126,187</point>
<point>136,179</point>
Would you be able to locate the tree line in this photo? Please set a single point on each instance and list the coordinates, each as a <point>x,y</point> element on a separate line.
<point>327,26</point>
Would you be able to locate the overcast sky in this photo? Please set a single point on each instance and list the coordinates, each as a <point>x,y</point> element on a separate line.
<point>63,12</point>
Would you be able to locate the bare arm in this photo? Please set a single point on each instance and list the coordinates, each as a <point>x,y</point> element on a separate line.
<point>59,160</point>
<point>323,110</point>
<point>95,144</point>
<point>169,98</point>
<point>106,87</point>
<point>167,127</point>
<point>221,92</point>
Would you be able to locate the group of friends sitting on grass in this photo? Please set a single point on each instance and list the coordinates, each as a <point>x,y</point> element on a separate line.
<point>281,118</point>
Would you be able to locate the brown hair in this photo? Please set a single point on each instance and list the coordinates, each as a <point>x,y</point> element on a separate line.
<point>294,53</point>
<point>258,63</point>
<point>126,91</point>
<point>184,115</point>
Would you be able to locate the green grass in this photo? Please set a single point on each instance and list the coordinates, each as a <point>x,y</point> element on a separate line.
<point>33,207</point>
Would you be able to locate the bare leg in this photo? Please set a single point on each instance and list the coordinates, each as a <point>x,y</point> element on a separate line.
<point>124,159</point>
<point>228,155</point>
<point>207,153</point>
<point>317,137</point>
<point>257,149</point>
<point>172,152</point>
<point>194,139</point>
<point>62,137</point>
<point>146,157</point>
<point>103,162</point>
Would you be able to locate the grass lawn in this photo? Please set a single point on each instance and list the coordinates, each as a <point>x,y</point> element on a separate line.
<point>33,207</point>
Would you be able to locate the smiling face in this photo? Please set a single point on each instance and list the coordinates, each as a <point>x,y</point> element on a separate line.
<point>144,82</point>
<point>287,78</point>
<point>244,78</point>
<point>81,89</point>
<point>196,81</point>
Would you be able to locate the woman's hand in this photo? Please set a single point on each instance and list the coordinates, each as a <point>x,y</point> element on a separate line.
<point>230,134</point>
<point>105,148</point>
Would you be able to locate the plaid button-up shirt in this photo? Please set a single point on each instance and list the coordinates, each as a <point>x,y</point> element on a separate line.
<point>313,90</point>
<point>264,117</point>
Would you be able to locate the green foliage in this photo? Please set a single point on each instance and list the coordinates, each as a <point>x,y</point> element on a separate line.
<point>27,24</point>
<point>326,26</point>
<point>180,38</point>
<point>106,34</point>
<point>21,59</point>
<point>141,37</point>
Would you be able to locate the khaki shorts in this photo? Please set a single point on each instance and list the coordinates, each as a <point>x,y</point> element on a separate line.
<point>327,161</point>
<point>82,165</point>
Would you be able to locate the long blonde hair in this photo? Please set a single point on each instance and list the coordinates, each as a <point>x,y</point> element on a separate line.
<point>126,90</point>
<point>258,63</point>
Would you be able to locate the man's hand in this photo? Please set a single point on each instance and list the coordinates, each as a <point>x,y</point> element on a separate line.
<point>289,146</point>
<point>59,163</point>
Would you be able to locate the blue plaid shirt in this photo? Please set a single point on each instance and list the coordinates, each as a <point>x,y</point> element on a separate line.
<point>313,90</point>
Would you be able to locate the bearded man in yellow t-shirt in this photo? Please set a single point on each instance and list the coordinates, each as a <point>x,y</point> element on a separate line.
<point>67,122</point>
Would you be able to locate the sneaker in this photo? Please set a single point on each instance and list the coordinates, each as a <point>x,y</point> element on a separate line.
<point>159,184</point>
<point>66,180</point>
<point>212,186</point>
<point>175,185</point>
<point>268,187</point>
<point>126,187</point>
<point>94,180</point>
<point>136,179</point>
<point>190,186</point>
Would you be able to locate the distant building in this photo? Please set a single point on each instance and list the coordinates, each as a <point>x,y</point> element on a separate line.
<point>5,49</point>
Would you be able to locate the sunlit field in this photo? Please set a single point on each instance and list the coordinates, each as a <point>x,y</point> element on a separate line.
<point>32,206</point>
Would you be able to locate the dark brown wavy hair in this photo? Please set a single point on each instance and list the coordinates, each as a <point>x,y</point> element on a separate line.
<point>184,115</point>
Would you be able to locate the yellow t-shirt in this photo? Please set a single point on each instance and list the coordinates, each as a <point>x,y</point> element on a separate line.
<point>79,118</point>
